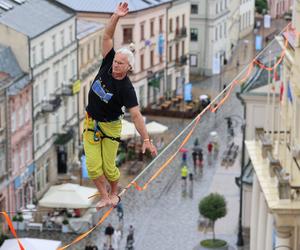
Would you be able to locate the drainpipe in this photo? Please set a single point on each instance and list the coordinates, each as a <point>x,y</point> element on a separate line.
<point>240,240</point>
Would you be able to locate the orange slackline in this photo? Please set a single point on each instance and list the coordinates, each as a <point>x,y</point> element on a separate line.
<point>167,162</point>
<point>12,229</point>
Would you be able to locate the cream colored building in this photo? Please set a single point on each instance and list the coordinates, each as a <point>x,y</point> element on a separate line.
<point>89,36</point>
<point>150,25</point>
<point>275,206</point>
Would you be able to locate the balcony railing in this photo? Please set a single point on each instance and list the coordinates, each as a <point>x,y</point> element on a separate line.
<point>180,32</point>
<point>181,61</point>
<point>51,105</point>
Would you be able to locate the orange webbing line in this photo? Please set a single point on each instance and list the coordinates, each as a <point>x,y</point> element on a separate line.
<point>158,172</point>
<point>12,229</point>
<point>82,236</point>
<point>261,65</point>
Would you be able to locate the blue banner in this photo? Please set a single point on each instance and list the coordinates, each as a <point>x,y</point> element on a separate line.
<point>258,42</point>
<point>83,167</point>
<point>188,92</point>
<point>161,42</point>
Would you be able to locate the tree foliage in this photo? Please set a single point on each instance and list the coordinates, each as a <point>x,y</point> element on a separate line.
<point>213,207</point>
<point>261,5</point>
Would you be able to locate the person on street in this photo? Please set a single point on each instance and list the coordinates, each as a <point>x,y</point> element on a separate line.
<point>120,211</point>
<point>116,239</point>
<point>184,174</point>
<point>109,231</point>
<point>110,91</point>
<point>209,151</point>
<point>195,157</point>
<point>191,184</point>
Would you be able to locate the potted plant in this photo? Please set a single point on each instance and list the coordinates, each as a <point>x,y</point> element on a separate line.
<point>15,221</point>
<point>21,224</point>
<point>213,207</point>
<point>65,226</point>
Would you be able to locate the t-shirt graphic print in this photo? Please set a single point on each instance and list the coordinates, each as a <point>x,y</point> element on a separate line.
<point>100,91</point>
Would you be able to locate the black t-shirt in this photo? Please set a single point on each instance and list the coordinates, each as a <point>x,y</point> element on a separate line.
<point>107,95</point>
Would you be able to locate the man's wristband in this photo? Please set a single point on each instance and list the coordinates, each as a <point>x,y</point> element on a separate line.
<point>148,139</point>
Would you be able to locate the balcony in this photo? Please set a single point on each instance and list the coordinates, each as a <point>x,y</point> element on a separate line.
<point>181,61</point>
<point>52,105</point>
<point>71,89</point>
<point>180,33</point>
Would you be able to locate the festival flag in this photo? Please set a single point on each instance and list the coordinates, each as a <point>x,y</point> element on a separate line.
<point>281,91</point>
<point>289,93</point>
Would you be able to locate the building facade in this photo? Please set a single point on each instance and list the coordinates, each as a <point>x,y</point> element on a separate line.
<point>247,14</point>
<point>275,205</point>
<point>278,8</point>
<point>209,35</point>
<point>46,50</point>
<point>146,26</point>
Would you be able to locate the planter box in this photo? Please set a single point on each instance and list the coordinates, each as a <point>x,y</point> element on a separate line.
<point>200,247</point>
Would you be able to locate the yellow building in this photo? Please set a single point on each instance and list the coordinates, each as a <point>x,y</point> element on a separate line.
<point>275,155</point>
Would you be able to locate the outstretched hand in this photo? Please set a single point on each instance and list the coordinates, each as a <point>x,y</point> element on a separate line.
<point>149,146</point>
<point>122,9</point>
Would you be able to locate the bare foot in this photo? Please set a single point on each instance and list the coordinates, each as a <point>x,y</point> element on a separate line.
<point>103,203</point>
<point>114,199</point>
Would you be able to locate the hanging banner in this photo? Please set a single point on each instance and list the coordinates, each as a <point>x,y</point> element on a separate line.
<point>267,21</point>
<point>258,42</point>
<point>216,67</point>
<point>188,92</point>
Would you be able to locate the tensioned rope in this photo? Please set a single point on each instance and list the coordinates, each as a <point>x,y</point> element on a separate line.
<point>194,122</point>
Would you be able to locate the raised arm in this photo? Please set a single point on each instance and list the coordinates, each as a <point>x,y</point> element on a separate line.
<point>109,31</point>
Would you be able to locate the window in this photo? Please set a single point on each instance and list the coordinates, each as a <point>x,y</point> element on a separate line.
<point>183,48</point>
<point>13,121</point>
<point>74,66</point>
<point>170,54</point>
<point>37,136</point>
<point>46,129</point>
<point>217,8</point>
<point>194,34</point>
<point>88,52</point>
<point>85,95</point>
<point>152,58</point>
<point>127,35</point>
<point>194,8</point>
<point>81,56</point>
<point>177,23</point>
<point>45,87</point>
<point>36,94</point>
<point>152,28</point>
<point>221,7</point>
<point>47,170</point>
<point>94,48</point>
<point>42,51</point>
<point>183,20</point>
<point>71,33</point>
<point>193,60</point>
<point>142,62</point>
<point>161,24</point>
<point>27,112</point>
<point>221,31</point>
<point>22,155</point>
<point>100,44</point>
<point>177,52</point>
<point>65,76</point>
<point>62,38</point>
<point>171,25</point>
<point>141,95</point>
<point>56,79</point>
<point>225,31</point>
<point>142,26</point>
<point>54,43</point>
<point>29,151</point>
<point>33,52</point>
<point>216,33</point>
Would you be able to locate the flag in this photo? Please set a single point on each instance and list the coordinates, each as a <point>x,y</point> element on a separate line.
<point>289,93</point>
<point>281,91</point>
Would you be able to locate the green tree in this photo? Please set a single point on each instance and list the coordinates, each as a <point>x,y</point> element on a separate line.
<point>213,207</point>
<point>261,5</point>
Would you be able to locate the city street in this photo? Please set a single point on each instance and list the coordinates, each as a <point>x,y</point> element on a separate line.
<point>161,216</point>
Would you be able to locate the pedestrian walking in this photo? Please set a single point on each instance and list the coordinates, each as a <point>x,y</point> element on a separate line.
<point>130,242</point>
<point>110,91</point>
<point>191,184</point>
<point>131,230</point>
<point>184,157</point>
<point>116,239</point>
<point>184,174</point>
<point>109,231</point>
<point>105,247</point>
<point>200,161</point>
<point>195,157</point>
<point>120,211</point>
<point>209,151</point>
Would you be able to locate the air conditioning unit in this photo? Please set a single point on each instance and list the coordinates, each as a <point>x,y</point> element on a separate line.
<point>296,151</point>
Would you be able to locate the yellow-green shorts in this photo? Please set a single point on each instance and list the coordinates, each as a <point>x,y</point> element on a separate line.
<point>101,155</point>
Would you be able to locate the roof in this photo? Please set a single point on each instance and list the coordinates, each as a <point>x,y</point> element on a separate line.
<point>34,17</point>
<point>105,6</point>
<point>8,62</point>
<point>84,28</point>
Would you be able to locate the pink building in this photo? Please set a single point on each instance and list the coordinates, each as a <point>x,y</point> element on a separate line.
<point>19,167</point>
<point>278,7</point>
<point>22,180</point>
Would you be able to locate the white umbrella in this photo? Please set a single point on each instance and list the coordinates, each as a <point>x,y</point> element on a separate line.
<point>31,244</point>
<point>155,128</point>
<point>68,196</point>
<point>203,97</point>
<point>128,130</point>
